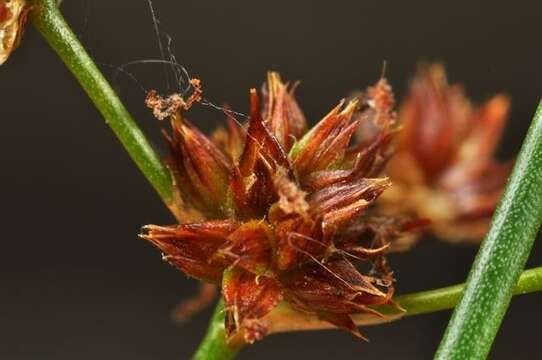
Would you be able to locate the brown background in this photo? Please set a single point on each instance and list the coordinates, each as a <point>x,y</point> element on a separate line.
<point>76,282</point>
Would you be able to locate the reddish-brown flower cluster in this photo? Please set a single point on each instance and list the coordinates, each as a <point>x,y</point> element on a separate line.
<point>443,168</point>
<point>279,213</point>
<point>275,212</point>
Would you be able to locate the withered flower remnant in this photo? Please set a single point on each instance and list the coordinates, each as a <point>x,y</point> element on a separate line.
<point>444,167</point>
<point>280,212</point>
<point>13,15</point>
<point>163,108</point>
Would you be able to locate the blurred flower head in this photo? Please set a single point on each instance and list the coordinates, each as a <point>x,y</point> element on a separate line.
<point>444,167</point>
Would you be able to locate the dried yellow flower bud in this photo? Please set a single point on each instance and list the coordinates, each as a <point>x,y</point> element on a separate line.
<point>13,14</point>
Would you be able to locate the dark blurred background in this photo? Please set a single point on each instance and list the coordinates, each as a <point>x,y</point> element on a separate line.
<point>75,280</point>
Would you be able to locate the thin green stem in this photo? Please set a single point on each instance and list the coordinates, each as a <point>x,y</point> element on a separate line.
<point>501,258</point>
<point>214,345</point>
<point>49,22</point>
<point>285,319</point>
<point>446,298</point>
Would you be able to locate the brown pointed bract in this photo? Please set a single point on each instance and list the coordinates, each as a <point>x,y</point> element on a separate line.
<point>281,111</point>
<point>293,206</point>
<point>252,184</point>
<point>248,297</point>
<point>230,139</point>
<point>192,248</point>
<point>200,168</point>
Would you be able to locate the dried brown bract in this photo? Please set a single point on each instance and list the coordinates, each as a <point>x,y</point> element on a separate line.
<point>283,211</point>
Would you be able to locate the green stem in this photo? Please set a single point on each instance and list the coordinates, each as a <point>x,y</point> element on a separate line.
<point>446,298</point>
<point>501,258</point>
<point>49,22</point>
<point>284,318</point>
<point>214,345</point>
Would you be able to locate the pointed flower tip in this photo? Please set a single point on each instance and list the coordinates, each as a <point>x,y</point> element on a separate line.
<point>146,229</point>
<point>155,233</point>
<point>350,107</point>
<point>337,108</point>
<point>498,107</point>
<point>274,80</point>
<point>435,73</point>
<point>200,168</point>
<point>254,104</point>
<point>253,96</point>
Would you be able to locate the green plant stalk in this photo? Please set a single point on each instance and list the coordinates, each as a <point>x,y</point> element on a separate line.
<point>48,20</point>
<point>501,258</point>
<point>446,298</point>
<point>214,347</point>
